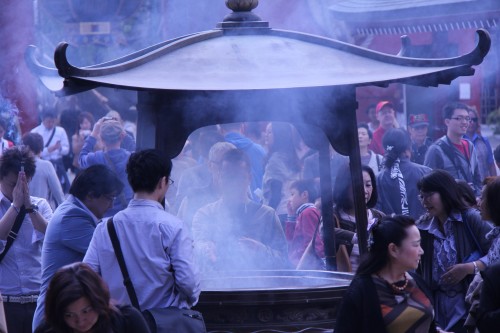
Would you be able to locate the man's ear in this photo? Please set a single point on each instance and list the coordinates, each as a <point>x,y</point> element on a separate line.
<point>161,183</point>
<point>88,198</point>
<point>446,122</point>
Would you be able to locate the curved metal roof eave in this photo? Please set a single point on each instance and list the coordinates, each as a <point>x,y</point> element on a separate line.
<point>256,59</point>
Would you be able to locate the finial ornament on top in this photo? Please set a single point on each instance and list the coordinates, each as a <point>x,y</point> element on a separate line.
<point>242,5</point>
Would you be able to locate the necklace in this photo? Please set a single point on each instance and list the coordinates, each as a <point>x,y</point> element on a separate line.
<point>396,286</point>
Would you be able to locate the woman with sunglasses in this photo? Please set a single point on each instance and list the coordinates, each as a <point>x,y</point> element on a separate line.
<point>78,301</point>
<point>455,245</point>
<point>385,296</point>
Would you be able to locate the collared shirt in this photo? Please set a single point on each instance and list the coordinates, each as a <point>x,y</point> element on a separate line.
<point>449,300</point>
<point>158,252</point>
<point>20,270</point>
<point>66,240</point>
<point>59,135</point>
<point>96,220</point>
<point>445,249</point>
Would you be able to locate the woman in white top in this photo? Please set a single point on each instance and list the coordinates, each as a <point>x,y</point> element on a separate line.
<point>368,157</point>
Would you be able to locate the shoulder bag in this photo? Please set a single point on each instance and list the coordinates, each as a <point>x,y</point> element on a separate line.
<point>159,320</point>
<point>310,260</point>
<point>14,231</point>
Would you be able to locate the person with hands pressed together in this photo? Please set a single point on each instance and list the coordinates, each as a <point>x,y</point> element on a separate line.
<point>20,265</point>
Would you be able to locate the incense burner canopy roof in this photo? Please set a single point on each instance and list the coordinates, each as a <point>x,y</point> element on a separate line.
<point>244,53</point>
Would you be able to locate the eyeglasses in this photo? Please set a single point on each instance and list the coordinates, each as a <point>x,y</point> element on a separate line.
<point>424,196</point>
<point>170,181</point>
<point>110,197</point>
<point>474,120</point>
<point>462,118</point>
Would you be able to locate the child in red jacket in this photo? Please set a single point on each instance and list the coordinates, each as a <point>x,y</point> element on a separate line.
<point>302,220</point>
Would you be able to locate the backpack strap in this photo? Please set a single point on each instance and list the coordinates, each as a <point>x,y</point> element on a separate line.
<point>14,231</point>
<point>51,137</point>
<point>448,151</point>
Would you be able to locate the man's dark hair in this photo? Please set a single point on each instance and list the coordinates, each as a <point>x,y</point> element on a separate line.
<point>95,181</point>
<point>450,108</point>
<point>49,113</point>
<point>496,154</point>
<point>12,159</point>
<point>33,141</point>
<point>308,185</point>
<point>145,169</point>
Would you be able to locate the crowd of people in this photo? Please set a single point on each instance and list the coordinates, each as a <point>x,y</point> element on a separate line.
<point>246,196</point>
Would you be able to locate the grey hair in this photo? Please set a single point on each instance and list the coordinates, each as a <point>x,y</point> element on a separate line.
<point>218,150</point>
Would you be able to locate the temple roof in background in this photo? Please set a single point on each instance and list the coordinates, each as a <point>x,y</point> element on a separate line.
<point>384,17</point>
<point>414,7</point>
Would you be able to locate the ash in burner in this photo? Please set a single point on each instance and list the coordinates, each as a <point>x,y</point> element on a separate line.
<point>274,280</point>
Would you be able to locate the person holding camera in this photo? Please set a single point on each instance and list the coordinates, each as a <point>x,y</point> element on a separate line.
<point>111,134</point>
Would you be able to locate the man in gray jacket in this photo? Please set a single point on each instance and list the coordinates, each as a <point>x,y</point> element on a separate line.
<point>452,152</point>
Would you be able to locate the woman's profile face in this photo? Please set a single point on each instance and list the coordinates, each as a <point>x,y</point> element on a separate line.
<point>368,186</point>
<point>268,135</point>
<point>80,315</point>
<point>409,252</point>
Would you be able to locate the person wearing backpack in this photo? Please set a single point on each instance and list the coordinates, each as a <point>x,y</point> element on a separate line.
<point>452,152</point>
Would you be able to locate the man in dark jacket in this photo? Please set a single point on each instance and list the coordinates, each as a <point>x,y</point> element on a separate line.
<point>452,152</point>
<point>418,127</point>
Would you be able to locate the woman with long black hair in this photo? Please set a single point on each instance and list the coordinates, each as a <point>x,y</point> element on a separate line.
<point>455,244</point>
<point>398,193</point>
<point>384,296</point>
<point>344,212</point>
